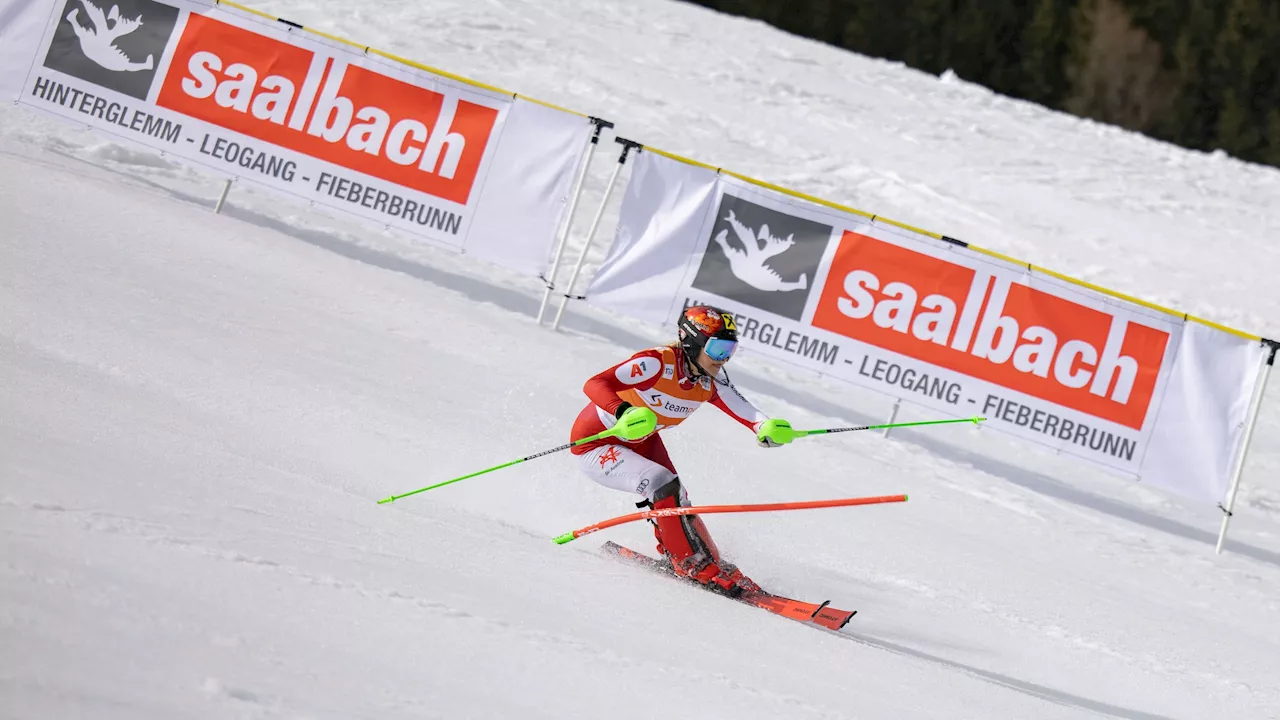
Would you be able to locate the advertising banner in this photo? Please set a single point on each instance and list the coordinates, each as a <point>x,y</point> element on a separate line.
<point>932,322</point>
<point>271,103</point>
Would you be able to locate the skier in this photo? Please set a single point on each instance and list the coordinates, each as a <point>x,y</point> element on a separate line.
<point>659,388</point>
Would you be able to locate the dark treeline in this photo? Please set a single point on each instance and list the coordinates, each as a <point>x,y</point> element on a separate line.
<point>1203,74</point>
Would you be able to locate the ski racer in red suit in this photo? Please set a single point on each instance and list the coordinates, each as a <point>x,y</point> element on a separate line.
<point>670,382</point>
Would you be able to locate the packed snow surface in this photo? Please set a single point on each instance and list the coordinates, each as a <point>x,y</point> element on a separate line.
<point>198,413</point>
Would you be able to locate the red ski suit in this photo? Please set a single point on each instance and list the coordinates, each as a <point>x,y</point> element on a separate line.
<point>655,378</point>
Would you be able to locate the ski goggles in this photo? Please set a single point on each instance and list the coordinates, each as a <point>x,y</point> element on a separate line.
<point>720,349</point>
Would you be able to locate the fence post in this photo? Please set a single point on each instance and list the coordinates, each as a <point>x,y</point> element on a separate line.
<point>1250,423</point>
<point>226,188</point>
<point>893,415</point>
<point>627,146</point>
<point>550,278</point>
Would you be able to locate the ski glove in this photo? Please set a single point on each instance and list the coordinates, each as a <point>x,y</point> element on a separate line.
<point>775,433</point>
<point>635,423</point>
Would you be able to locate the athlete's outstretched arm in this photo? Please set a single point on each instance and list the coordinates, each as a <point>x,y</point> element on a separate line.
<point>728,399</point>
<point>639,372</point>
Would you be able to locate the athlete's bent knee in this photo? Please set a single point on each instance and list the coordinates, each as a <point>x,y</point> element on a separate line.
<point>668,490</point>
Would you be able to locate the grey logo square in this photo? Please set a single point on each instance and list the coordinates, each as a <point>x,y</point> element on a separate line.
<point>116,46</point>
<point>761,257</point>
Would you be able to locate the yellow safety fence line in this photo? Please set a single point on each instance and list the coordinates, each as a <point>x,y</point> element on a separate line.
<point>770,186</point>
<point>992,253</point>
<point>763,184</point>
<point>1122,296</point>
<point>374,51</point>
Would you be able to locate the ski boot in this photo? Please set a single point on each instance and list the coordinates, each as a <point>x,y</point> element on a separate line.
<point>687,545</point>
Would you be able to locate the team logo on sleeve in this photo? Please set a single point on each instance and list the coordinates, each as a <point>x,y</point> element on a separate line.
<point>762,257</point>
<point>116,44</point>
<point>637,371</point>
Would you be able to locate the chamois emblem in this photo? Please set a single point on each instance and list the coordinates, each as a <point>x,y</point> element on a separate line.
<point>748,263</point>
<point>98,42</point>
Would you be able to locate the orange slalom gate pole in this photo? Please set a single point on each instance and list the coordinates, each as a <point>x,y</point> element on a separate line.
<point>711,509</point>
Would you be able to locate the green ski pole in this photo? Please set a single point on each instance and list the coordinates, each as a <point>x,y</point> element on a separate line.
<point>975,420</point>
<point>782,432</point>
<point>634,424</point>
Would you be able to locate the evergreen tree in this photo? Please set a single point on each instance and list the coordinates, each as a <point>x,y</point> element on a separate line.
<point>1201,73</point>
<point>1044,50</point>
<point>1270,152</point>
<point>927,41</point>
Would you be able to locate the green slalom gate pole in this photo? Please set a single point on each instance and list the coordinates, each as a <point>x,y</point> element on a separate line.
<point>802,433</point>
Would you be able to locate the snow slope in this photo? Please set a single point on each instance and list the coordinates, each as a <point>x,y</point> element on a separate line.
<point>197,413</point>
<point>200,413</point>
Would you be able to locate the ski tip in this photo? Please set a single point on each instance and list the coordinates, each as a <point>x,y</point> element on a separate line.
<point>562,539</point>
<point>846,620</point>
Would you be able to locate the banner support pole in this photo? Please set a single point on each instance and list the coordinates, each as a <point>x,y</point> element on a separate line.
<point>893,417</point>
<point>550,278</point>
<point>1250,424</point>
<point>226,188</point>
<point>627,147</point>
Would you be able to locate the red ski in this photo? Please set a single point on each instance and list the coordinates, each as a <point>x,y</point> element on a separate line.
<point>820,615</point>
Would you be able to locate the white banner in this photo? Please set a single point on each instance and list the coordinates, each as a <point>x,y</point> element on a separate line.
<point>934,323</point>
<point>469,168</point>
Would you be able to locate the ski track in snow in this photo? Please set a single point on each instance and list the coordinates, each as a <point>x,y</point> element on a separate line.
<point>198,412</point>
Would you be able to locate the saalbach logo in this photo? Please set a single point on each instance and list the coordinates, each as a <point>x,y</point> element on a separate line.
<point>118,48</point>
<point>326,104</point>
<point>761,257</point>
